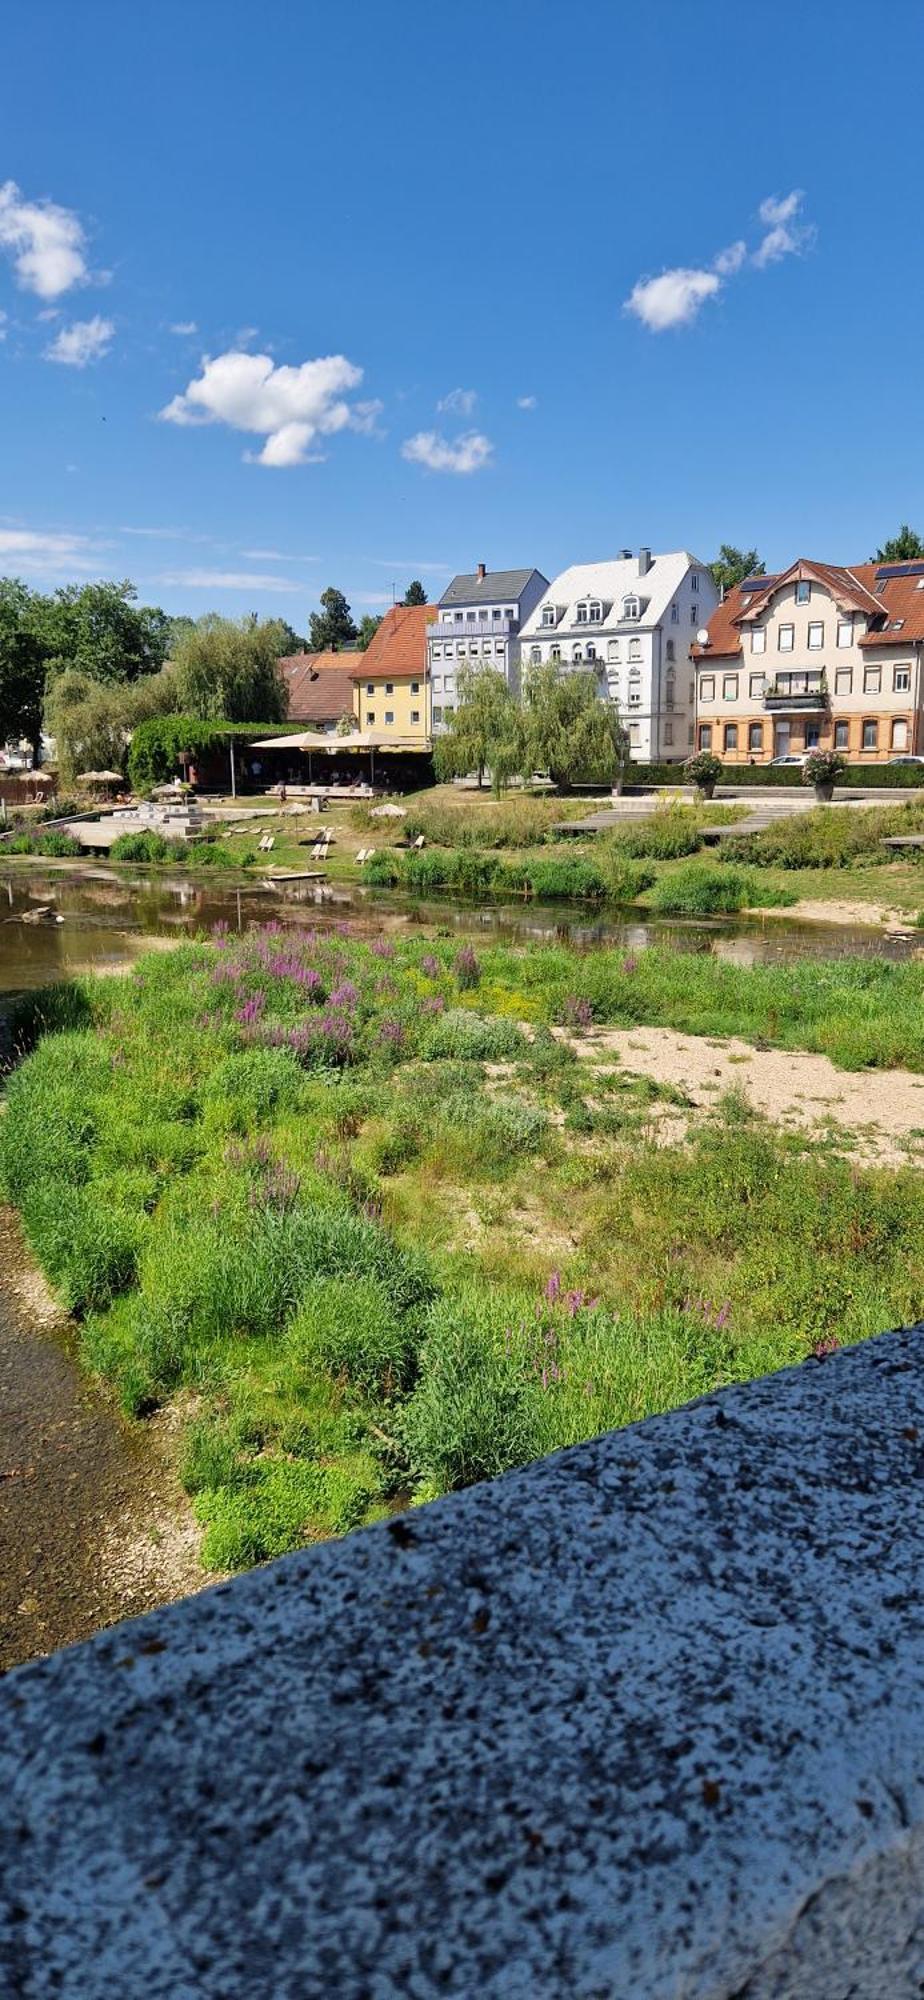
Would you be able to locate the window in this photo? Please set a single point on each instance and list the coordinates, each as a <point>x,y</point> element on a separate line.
<point>707,688</point>
<point>486,649</point>
<point>370,718</point>
<point>582,614</point>
<point>612,649</point>
<point>757,686</point>
<point>694,581</point>
<point>668,732</point>
<point>785,637</point>
<point>437,715</point>
<point>901,679</point>
<point>415,715</point>
<point>635,649</point>
<point>548,614</point>
<point>535,655</point>
<point>803,591</point>
<point>842,736</point>
<point>691,735</point>
<point>496,612</point>
<point>437,683</point>
<point>591,651</point>
<point>843,681</point>
<point>755,736</point>
<point>458,617</point>
<point>731,735</point>
<point>670,649</point>
<point>635,691</point>
<point>389,715</point>
<point>415,687</point>
<point>900,733</point>
<point>872,680</point>
<point>635,736</point>
<point>576,656</point>
<point>389,687</point>
<point>596,612</point>
<point>448,712</point>
<point>509,612</point>
<point>437,652</point>
<point>705,735</point>
<point>555,654</point>
<point>669,691</point>
<point>694,615</point>
<point>499,647</point>
<point>470,617</point>
<point>845,631</point>
<point>630,607</point>
<point>870,735</point>
<point>816,635</point>
<point>675,614</point>
<point>449,684</point>
<point>460,651</point>
<point>370,687</point>
<point>812,735</point>
<point>691,697</point>
<point>758,638</point>
<point>730,687</point>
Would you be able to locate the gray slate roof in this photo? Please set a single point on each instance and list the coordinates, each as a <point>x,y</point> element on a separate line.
<point>496,584</point>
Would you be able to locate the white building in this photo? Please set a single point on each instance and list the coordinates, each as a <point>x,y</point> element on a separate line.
<point>633,622</point>
<point>478,623</point>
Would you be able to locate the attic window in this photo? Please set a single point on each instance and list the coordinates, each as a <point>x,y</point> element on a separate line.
<point>897,624</point>
<point>630,607</point>
<point>548,614</point>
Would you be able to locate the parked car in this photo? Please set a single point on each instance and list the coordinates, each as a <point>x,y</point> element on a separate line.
<point>906,760</point>
<point>794,758</point>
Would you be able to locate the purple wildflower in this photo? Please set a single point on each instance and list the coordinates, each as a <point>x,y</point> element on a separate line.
<point>430,966</point>
<point>467,969</point>
<point>553,1288</point>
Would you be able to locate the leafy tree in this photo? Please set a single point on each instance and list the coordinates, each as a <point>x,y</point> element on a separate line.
<point>101,630</point>
<point>178,628</point>
<point>906,546</point>
<point>569,731</point>
<point>368,627</point>
<point>287,639</point>
<point>228,670</point>
<point>732,565</point>
<point>92,720</point>
<point>332,627</point>
<point>486,731</point>
<point>415,593</point>
<point>22,665</point>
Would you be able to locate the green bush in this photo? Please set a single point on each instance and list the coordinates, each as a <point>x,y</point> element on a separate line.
<point>350,1326</point>
<point>474,1414</point>
<point>554,875</point>
<point>827,837</point>
<point>466,1037</point>
<point>249,1088</point>
<point>698,889</point>
<point>146,846</point>
<point>665,836</point>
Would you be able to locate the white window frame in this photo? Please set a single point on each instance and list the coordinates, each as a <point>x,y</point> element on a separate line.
<point>816,626</point>
<point>844,633</point>
<point>789,645</point>
<point>758,638</point>
<point>903,685</point>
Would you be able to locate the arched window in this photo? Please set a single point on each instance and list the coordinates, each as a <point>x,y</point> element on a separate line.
<point>576,655</point>
<point>635,649</point>
<point>670,649</point>
<point>535,655</point>
<point>595,611</point>
<point>612,649</point>
<point>591,651</point>
<point>630,607</point>
<point>548,614</point>
<point>555,654</point>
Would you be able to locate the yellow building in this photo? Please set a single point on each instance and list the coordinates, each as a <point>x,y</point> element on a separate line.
<point>391,691</point>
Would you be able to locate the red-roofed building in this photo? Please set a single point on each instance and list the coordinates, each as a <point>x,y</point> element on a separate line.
<point>818,656</point>
<point>390,681</point>
<point>320,688</point>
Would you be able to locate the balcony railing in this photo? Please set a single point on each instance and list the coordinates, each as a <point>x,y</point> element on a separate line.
<point>474,628</point>
<point>801,693</point>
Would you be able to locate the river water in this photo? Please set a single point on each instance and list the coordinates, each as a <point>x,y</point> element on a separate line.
<point>93,1524</point>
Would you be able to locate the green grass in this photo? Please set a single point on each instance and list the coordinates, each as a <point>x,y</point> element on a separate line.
<point>392,1243</point>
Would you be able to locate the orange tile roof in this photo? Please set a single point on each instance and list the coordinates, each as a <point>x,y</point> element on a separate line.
<point>319,685</point>
<point>854,585</point>
<point>399,645</point>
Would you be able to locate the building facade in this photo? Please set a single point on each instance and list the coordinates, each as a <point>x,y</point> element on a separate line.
<point>319,688</point>
<point>631,621</point>
<point>478,622</point>
<point>815,657</point>
<point>391,696</point>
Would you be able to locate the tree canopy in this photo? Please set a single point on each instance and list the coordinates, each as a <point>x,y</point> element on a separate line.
<point>486,731</point>
<point>228,670</point>
<point>732,565</point>
<point>92,720</point>
<point>22,665</point>
<point>569,731</point>
<point>368,627</point>
<point>415,593</point>
<point>906,546</point>
<point>332,627</point>
<point>101,630</point>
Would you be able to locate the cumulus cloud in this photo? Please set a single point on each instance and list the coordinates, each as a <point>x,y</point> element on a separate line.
<point>676,297</point>
<point>47,243</point>
<point>184,326</point>
<point>467,453</point>
<point>292,408</point>
<point>459,402</point>
<point>26,549</point>
<point>786,233</point>
<point>226,579</point>
<point>527,402</point>
<point>85,341</point>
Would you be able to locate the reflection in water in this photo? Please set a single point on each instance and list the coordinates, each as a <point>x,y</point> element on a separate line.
<point>108,914</point>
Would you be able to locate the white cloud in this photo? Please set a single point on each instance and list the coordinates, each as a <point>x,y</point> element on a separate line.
<point>459,402</point>
<point>290,407</point>
<point>467,453</point>
<point>729,261</point>
<point>527,402</point>
<point>48,314</point>
<point>47,554</point>
<point>275,555</point>
<point>786,234</point>
<point>3,318</point>
<point>676,297</point>
<point>184,326</point>
<point>85,341</point>
<point>226,579</point>
<point>673,299</point>
<point>47,243</point>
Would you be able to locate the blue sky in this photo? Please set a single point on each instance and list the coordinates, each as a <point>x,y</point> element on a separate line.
<point>452,206</point>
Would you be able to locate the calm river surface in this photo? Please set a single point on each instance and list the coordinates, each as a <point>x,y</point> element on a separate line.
<point>93,1526</point>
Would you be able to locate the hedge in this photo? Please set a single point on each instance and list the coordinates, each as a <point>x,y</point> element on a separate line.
<point>891,775</point>
<point>156,745</point>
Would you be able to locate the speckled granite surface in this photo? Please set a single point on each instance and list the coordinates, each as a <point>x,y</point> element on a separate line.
<point>644,1722</point>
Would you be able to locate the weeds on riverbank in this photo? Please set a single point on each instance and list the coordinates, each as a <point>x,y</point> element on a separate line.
<point>390,1241</point>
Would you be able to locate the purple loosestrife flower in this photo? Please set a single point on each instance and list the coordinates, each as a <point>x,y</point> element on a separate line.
<point>434,1005</point>
<point>251,1010</point>
<point>467,969</point>
<point>345,995</point>
<point>630,963</point>
<point>576,1012</point>
<point>391,1034</point>
<point>553,1288</point>
<point>382,948</point>
<point>430,966</point>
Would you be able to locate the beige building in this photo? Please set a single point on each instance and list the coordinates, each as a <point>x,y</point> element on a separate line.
<point>391,701</point>
<point>815,657</point>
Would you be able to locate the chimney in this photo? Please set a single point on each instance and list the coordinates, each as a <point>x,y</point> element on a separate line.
<point>481,572</point>
<point>644,561</point>
<point>625,555</point>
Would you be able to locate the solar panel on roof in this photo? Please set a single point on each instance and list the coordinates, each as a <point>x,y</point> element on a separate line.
<point>900,569</point>
<point>757,582</point>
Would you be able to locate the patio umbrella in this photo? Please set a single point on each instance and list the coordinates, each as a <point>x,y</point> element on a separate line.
<point>100,778</point>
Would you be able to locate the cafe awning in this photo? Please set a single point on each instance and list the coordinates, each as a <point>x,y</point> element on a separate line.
<point>336,746</point>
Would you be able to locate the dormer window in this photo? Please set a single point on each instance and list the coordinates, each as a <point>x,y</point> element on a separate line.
<point>595,611</point>
<point>548,614</point>
<point>581,614</point>
<point>631,607</point>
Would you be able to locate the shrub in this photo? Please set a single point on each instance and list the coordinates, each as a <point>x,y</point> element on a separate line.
<point>700,890</point>
<point>703,769</point>
<point>350,1326</point>
<point>473,1415</point>
<point>467,969</point>
<point>146,846</point>
<point>247,1089</point>
<point>823,767</point>
<point>625,880</point>
<point>382,872</point>
<point>666,836</point>
<point>554,875</point>
<point>466,1037</point>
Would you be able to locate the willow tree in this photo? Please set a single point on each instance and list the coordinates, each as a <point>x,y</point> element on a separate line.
<point>485,733</point>
<point>570,731</point>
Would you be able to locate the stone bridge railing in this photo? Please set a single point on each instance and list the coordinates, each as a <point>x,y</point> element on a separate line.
<point>643,1722</point>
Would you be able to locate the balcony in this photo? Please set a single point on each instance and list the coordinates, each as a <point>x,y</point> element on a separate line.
<point>797,694</point>
<point>473,628</point>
